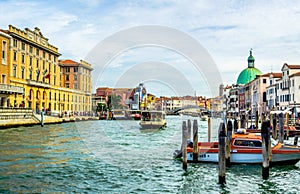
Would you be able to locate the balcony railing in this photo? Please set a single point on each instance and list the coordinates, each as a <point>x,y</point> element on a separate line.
<point>38,84</point>
<point>11,89</point>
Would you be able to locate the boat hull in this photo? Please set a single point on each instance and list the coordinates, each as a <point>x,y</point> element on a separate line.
<point>246,158</point>
<point>152,125</point>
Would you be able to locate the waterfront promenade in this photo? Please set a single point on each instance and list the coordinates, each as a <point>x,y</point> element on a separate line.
<point>25,117</point>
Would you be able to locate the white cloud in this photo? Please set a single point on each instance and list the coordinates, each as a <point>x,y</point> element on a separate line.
<point>227,29</point>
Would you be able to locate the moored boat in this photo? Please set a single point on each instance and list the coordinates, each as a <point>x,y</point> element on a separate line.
<point>246,148</point>
<point>135,114</point>
<point>119,114</point>
<point>153,120</point>
<point>290,131</point>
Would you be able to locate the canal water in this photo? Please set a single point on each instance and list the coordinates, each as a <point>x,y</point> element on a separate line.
<point>116,157</point>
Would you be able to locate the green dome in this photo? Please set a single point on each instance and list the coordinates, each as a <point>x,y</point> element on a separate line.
<point>248,75</point>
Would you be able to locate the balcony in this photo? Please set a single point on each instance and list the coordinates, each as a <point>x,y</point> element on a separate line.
<point>5,88</point>
<point>38,84</point>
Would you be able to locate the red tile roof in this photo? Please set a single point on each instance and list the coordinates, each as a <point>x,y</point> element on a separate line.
<point>291,66</point>
<point>275,75</point>
<point>5,31</point>
<point>294,66</point>
<point>68,62</point>
<point>295,74</point>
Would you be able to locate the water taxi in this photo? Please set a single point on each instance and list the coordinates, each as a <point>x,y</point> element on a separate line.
<point>153,120</point>
<point>246,148</point>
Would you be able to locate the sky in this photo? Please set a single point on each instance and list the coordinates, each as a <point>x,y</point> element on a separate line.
<point>173,47</point>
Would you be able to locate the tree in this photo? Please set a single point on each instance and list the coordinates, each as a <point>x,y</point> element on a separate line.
<point>114,102</point>
<point>101,107</point>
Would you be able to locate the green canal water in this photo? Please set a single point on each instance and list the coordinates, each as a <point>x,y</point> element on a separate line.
<point>116,157</point>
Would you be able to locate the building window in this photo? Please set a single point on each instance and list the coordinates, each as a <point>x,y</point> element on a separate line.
<point>264,97</point>
<point>75,77</point>
<point>67,78</point>
<point>15,55</point>
<point>67,85</point>
<point>23,46</point>
<point>54,58</point>
<point>15,42</point>
<point>30,73</point>
<point>3,80</point>
<point>30,49</point>
<point>264,81</point>
<point>75,86</point>
<point>44,54</point>
<point>67,69</point>
<point>37,63</point>
<point>37,52</point>
<point>54,82</point>
<point>50,95</point>
<point>23,58</point>
<point>49,57</point>
<point>4,52</point>
<point>54,69</point>
<point>54,96</point>
<point>44,64</point>
<point>75,69</point>
<point>15,71</point>
<point>23,72</point>
<point>37,75</point>
<point>30,61</point>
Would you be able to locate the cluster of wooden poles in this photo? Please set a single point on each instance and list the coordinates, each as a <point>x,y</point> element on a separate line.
<point>224,144</point>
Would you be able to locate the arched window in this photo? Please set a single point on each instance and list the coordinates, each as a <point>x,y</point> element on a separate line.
<point>38,94</point>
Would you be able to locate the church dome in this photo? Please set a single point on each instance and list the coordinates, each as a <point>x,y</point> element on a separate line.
<point>248,74</point>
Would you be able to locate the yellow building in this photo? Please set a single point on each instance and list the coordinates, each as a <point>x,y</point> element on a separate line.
<point>6,89</point>
<point>34,67</point>
<point>32,77</point>
<point>77,76</point>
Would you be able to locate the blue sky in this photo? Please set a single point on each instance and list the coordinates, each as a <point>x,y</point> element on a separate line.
<point>226,29</point>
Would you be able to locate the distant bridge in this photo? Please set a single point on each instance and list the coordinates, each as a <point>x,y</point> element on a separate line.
<point>175,111</point>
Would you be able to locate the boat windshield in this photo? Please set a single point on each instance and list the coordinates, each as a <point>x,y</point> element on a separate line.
<point>273,142</point>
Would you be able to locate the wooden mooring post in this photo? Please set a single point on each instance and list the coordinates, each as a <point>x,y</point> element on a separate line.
<point>221,154</point>
<point>42,118</point>
<point>235,125</point>
<point>195,141</point>
<point>274,127</point>
<point>256,119</point>
<point>243,121</point>
<point>266,148</point>
<point>184,145</point>
<point>281,128</point>
<point>296,140</point>
<point>189,130</point>
<point>208,129</point>
<point>287,126</point>
<point>228,142</point>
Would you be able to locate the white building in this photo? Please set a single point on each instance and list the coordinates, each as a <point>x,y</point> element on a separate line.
<point>288,87</point>
<point>272,91</point>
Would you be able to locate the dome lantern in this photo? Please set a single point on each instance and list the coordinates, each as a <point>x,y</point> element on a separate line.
<point>251,60</point>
